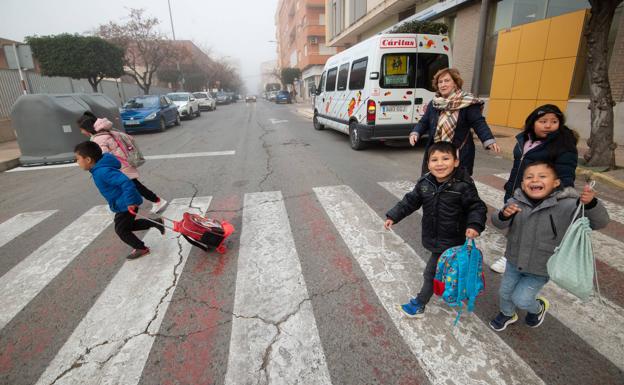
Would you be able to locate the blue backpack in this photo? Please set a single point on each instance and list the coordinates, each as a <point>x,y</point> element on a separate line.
<point>459,276</point>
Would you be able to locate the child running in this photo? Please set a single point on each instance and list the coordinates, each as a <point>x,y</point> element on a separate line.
<point>452,211</point>
<point>120,192</point>
<point>537,217</point>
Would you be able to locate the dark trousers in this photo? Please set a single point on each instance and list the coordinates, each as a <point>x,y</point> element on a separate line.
<point>126,223</point>
<point>145,192</point>
<point>426,291</point>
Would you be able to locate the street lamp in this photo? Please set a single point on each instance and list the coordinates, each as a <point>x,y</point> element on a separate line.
<point>174,39</point>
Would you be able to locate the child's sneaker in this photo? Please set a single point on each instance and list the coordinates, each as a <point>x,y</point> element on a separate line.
<point>161,226</point>
<point>499,265</point>
<point>158,205</point>
<point>501,321</point>
<point>413,309</point>
<point>535,320</point>
<point>138,253</point>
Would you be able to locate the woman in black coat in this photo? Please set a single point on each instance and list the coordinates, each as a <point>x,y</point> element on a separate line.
<point>449,117</point>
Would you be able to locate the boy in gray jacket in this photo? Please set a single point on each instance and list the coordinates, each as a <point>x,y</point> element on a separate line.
<point>537,217</point>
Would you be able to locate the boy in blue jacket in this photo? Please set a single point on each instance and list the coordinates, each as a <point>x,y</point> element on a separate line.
<point>121,194</point>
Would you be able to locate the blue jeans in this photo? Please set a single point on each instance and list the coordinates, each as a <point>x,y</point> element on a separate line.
<point>519,289</point>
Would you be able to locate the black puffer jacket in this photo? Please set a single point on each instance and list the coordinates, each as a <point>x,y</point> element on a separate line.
<point>448,209</point>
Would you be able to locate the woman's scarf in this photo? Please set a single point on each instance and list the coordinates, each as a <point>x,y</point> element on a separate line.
<point>449,112</point>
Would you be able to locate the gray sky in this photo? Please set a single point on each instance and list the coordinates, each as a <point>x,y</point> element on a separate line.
<point>239,29</point>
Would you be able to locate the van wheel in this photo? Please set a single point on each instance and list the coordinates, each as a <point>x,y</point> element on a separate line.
<point>354,137</point>
<point>317,125</point>
<point>163,125</point>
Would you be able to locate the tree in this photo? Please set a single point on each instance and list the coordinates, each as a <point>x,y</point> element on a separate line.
<point>601,146</point>
<point>416,26</point>
<point>146,48</point>
<point>77,57</point>
<point>288,75</point>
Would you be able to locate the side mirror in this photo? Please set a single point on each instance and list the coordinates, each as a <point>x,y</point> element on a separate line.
<point>192,99</point>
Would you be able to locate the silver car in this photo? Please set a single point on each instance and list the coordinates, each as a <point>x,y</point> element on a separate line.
<point>206,102</point>
<point>188,106</point>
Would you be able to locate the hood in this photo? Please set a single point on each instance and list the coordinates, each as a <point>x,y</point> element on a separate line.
<point>180,103</point>
<point>102,124</point>
<point>107,160</point>
<point>138,113</point>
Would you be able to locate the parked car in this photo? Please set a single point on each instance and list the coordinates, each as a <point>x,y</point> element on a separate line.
<point>272,95</point>
<point>250,98</point>
<point>188,106</point>
<point>206,102</point>
<point>223,98</point>
<point>149,112</point>
<point>283,97</point>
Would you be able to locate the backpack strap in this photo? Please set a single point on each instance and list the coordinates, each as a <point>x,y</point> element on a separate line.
<point>473,275</point>
<point>121,147</point>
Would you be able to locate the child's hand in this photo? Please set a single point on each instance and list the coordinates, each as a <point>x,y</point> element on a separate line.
<point>471,233</point>
<point>511,210</point>
<point>133,209</point>
<point>587,195</point>
<point>388,224</point>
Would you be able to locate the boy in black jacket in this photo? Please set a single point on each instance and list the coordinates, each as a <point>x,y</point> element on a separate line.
<point>452,211</point>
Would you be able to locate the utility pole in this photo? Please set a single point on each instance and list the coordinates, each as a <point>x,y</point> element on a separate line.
<point>174,39</point>
<point>19,69</point>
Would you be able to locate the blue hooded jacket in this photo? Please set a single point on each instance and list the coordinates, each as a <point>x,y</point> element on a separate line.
<point>118,190</point>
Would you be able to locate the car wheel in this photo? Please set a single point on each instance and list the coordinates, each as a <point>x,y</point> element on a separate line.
<point>317,125</point>
<point>177,119</point>
<point>354,137</point>
<point>198,113</point>
<point>163,125</point>
<point>191,114</point>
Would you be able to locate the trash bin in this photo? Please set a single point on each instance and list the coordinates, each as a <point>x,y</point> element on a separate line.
<point>103,107</point>
<point>46,129</point>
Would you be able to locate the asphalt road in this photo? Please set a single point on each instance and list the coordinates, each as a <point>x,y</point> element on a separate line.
<point>307,290</point>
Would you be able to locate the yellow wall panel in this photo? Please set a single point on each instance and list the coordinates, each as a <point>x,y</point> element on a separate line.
<point>562,104</point>
<point>507,46</point>
<point>518,112</point>
<point>527,81</point>
<point>533,41</point>
<point>502,81</point>
<point>556,79</point>
<point>565,35</point>
<point>498,109</point>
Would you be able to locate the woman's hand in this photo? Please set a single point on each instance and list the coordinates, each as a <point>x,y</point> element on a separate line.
<point>471,233</point>
<point>413,138</point>
<point>494,147</point>
<point>388,224</point>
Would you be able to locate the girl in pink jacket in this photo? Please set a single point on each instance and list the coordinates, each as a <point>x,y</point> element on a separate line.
<point>99,131</point>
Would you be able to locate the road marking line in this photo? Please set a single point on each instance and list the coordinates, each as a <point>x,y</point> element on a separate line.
<point>148,157</point>
<point>277,121</point>
<point>274,334</point>
<point>112,342</point>
<point>580,317</point>
<point>16,226</point>
<point>26,279</point>
<point>470,353</point>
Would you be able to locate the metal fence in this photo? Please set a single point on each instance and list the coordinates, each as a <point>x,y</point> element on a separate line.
<point>10,88</point>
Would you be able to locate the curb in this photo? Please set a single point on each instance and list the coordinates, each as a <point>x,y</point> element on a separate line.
<point>9,164</point>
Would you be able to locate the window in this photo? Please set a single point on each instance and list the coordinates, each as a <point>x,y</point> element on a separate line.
<point>331,80</point>
<point>321,86</point>
<point>343,74</point>
<point>410,70</point>
<point>305,50</point>
<point>427,65</point>
<point>358,74</point>
<point>321,19</point>
<point>325,50</point>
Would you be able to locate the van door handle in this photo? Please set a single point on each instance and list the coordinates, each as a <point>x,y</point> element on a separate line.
<point>323,100</point>
<point>418,101</point>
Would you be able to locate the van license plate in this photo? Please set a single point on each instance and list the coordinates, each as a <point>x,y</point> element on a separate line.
<point>392,108</point>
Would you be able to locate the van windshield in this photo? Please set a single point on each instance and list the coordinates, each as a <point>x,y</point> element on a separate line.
<point>410,70</point>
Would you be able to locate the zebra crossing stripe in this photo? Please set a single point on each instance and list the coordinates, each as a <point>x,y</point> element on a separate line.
<point>112,342</point>
<point>606,249</point>
<point>16,226</point>
<point>616,211</point>
<point>26,279</point>
<point>274,335</point>
<point>470,353</point>
<point>580,317</point>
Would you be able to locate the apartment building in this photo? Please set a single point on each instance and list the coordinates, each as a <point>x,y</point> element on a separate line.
<point>301,40</point>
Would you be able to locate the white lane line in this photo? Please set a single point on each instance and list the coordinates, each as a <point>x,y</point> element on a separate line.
<point>616,211</point>
<point>149,157</point>
<point>606,249</point>
<point>112,342</point>
<point>399,189</point>
<point>26,279</point>
<point>17,225</point>
<point>582,318</point>
<point>274,335</point>
<point>470,353</point>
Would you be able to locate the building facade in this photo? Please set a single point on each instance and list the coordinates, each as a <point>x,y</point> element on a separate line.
<point>300,29</point>
<point>516,54</point>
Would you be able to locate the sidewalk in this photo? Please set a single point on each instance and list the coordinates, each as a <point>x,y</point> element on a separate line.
<point>9,155</point>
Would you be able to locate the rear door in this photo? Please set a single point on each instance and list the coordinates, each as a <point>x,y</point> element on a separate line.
<point>396,87</point>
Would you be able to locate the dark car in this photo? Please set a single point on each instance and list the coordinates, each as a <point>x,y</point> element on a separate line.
<point>223,98</point>
<point>149,112</point>
<point>250,98</point>
<point>283,97</point>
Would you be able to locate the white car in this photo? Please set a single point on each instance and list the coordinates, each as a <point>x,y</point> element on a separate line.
<point>206,102</point>
<point>188,106</point>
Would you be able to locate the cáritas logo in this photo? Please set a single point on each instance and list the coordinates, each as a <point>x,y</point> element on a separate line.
<point>393,42</point>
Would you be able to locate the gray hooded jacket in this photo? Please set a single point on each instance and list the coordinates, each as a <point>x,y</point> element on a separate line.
<point>536,231</point>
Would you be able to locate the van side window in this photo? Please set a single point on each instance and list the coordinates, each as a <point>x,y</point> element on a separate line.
<point>358,74</point>
<point>398,70</point>
<point>428,65</point>
<point>343,74</point>
<point>330,85</point>
<point>321,86</point>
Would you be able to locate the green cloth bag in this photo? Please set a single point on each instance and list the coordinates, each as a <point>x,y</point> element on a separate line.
<point>573,266</point>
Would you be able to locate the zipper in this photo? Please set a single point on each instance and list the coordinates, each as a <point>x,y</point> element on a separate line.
<point>552,226</point>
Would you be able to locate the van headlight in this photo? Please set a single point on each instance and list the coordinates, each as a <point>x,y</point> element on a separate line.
<point>151,116</point>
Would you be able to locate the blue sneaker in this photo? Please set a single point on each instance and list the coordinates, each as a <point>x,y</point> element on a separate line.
<point>413,309</point>
<point>501,321</point>
<point>535,320</point>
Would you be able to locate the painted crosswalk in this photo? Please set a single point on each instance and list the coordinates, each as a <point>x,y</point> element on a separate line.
<point>274,326</point>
